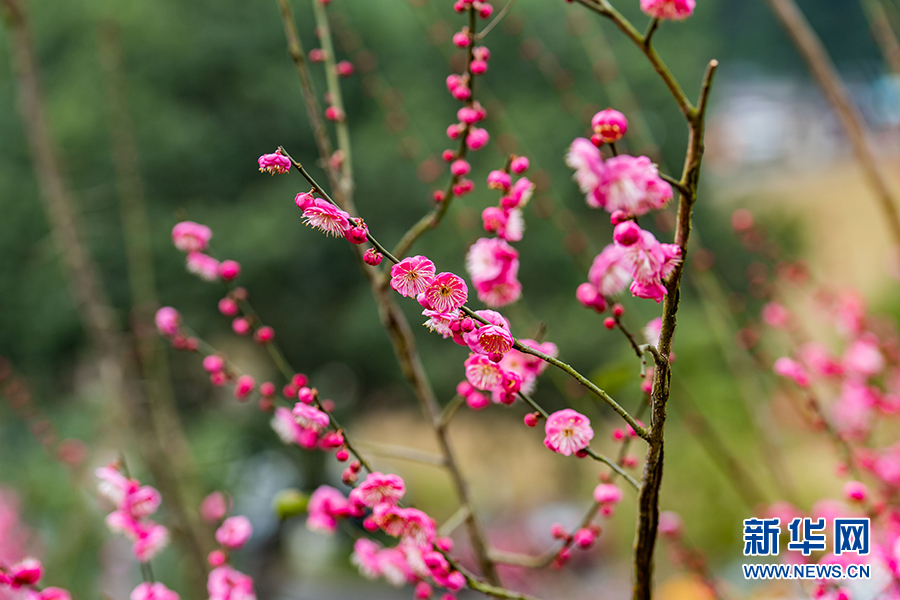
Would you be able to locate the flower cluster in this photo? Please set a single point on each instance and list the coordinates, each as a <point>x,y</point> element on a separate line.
<point>193,238</point>
<point>515,372</point>
<point>862,379</point>
<point>134,504</point>
<point>492,263</point>
<point>306,425</point>
<point>224,582</point>
<point>851,388</point>
<point>153,591</point>
<point>331,220</point>
<point>634,256</point>
<point>625,186</point>
<point>24,576</point>
<point>465,130</point>
<point>506,220</point>
<point>415,560</point>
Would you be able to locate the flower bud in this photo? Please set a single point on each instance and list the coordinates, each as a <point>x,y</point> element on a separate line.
<point>290,503</point>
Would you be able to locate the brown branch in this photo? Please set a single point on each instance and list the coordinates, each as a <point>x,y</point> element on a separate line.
<point>648,502</point>
<point>813,51</point>
<point>883,34</point>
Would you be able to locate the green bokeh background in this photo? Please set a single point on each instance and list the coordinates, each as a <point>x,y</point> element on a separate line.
<point>210,87</point>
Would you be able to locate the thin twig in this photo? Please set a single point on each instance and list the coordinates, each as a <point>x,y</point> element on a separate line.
<point>313,110</point>
<point>820,64</point>
<point>496,20</point>
<point>401,452</point>
<point>436,215</point>
<point>335,97</point>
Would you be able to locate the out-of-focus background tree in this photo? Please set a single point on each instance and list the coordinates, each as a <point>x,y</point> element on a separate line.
<point>210,87</point>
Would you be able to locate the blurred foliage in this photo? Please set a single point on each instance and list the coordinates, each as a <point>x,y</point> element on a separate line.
<point>210,88</point>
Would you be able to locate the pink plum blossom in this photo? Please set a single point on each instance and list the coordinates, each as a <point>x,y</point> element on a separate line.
<point>482,373</point>
<point>568,431</point>
<point>412,276</point>
<point>326,217</point>
<point>608,273</point>
<point>290,431</point>
<point>234,532</point>
<point>310,417</point>
<point>607,493</point>
<point>274,163</point>
<point>670,524</point>
<point>379,488</point>
<point>446,293</point>
<point>214,507</point>
<point>167,321</point>
<point>776,315</point>
<point>153,591</point>
<point>495,341</point>
<point>609,125</point>
<point>226,583</point>
<point>25,573</point>
<point>203,266</point>
<point>191,237</point>
<point>863,358</point>
<point>519,164</point>
<point>326,506</point>
<point>787,367</point>
<point>585,158</point>
<point>674,10</point>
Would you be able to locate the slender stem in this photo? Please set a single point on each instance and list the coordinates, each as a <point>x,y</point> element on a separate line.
<point>488,589</point>
<point>451,408</point>
<point>816,56</point>
<point>615,467</point>
<point>272,347</point>
<point>675,183</point>
<point>456,519</point>
<point>335,97</point>
<point>496,20</point>
<point>651,29</point>
<point>620,325</point>
<point>590,385</point>
<point>883,33</point>
<point>436,215</point>
<point>401,452</point>
<point>604,8</point>
<point>319,190</point>
<point>590,452</point>
<point>313,110</point>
